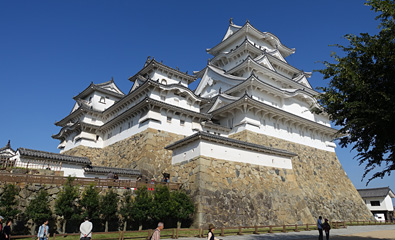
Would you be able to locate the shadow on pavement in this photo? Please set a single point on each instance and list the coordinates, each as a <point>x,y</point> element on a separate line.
<point>310,237</point>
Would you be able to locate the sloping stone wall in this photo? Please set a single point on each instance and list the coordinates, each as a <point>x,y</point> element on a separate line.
<point>144,151</point>
<point>239,194</point>
<point>322,181</point>
<point>230,193</point>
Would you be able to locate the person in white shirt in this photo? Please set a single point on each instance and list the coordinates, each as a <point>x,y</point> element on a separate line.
<point>86,229</point>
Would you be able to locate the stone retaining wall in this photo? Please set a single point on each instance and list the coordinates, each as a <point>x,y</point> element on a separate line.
<point>27,192</point>
<point>231,193</point>
<point>321,179</point>
<point>144,151</point>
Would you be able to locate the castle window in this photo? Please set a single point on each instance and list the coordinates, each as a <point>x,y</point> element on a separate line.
<point>163,98</point>
<point>102,100</point>
<point>90,99</point>
<point>374,203</point>
<point>182,122</point>
<point>97,137</point>
<point>164,82</point>
<point>169,119</point>
<point>120,129</point>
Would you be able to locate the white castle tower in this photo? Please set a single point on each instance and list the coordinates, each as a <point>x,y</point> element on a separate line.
<point>248,85</point>
<point>252,87</point>
<point>244,143</point>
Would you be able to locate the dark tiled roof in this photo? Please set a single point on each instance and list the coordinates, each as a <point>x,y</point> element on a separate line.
<point>248,99</point>
<point>375,192</point>
<point>119,171</point>
<point>231,142</point>
<point>99,87</point>
<point>53,156</point>
<point>8,146</point>
<point>153,63</point>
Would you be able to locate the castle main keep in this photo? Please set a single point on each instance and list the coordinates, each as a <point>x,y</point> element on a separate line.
<point>244,143</point>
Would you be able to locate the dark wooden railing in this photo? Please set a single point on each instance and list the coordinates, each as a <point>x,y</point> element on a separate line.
<point>99,182</point>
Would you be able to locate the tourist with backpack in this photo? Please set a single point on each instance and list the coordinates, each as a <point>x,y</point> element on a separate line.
<point>156,234</point>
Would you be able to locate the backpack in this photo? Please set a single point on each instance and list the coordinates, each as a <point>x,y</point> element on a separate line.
<point>150,238</point>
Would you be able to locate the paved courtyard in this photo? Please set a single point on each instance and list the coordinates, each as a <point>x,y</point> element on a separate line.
<point>349,233</point>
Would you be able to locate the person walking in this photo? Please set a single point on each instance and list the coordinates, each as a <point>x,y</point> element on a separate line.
<point>156,234</point>
<point>43,231</point>
<point>326,228</point>
<point>210,234</point>
<point>7,230</point>
<point>319,226</point>
<point>86,229</point>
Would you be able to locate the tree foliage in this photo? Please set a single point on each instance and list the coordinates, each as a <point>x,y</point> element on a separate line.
<point>142,206</point>
<point>181,207</point>
<point>360,97</point>
<point>38,209</point>
<point>8,202</point>
<point>109,207</point>
<point>66,201</point>
<point>126,208</point>
<point>66,204</point>
<point>161,204</point>
<point>90,202</point>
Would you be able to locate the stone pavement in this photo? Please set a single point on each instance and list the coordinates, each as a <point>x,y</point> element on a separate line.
<point>376,232</point>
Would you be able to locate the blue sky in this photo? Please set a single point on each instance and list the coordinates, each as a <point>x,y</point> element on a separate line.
<point>52,50</point>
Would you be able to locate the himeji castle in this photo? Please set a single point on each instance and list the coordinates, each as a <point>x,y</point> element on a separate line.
<point>245,143</point>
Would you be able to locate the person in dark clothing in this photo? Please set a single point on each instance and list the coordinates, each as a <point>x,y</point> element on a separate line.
<point>319,226</point>
<point>210,234</point>
<point>7,230</point>
<point>326,228</point>
<point>1,227</point>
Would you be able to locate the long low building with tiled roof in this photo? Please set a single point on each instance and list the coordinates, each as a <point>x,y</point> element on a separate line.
<point>70,165</point>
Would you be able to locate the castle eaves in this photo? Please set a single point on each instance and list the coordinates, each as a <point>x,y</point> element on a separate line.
<point>153,63</point>
<point>260,105</point>
<point>119,171</point>
<point>24,152</point>
<point>98,87</point>
<point>230,142</point>
<point>243,30</point>
<point>376,192</point>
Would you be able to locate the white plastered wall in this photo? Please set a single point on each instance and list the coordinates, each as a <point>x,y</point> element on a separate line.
<point>228,153</point>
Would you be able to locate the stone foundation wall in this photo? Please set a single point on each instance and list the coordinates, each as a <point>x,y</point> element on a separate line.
<point>27,192</point>
<point>144,151</point>
<point>240,194</point>
<point>231,193</point>
<point>322,182</point>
